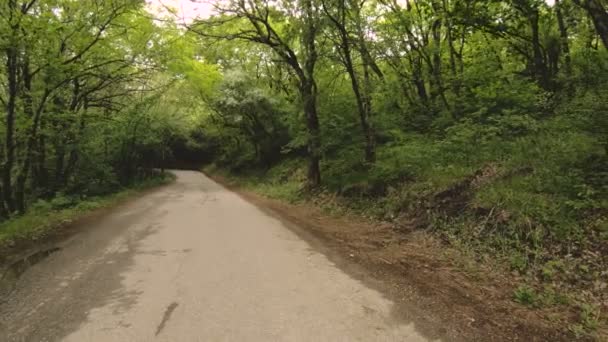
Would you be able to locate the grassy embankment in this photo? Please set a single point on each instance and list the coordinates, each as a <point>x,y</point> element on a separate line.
<point>534,205</point>
<point>43,217</point>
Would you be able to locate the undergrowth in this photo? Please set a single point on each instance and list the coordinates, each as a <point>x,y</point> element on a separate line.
<point>44,216</point>
<point>534,203</point>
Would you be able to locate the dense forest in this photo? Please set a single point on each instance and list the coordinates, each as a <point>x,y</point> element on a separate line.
<point>82,86</point>
<point>483,121</point>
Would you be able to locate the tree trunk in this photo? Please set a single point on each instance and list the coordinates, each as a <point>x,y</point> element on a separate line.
<point>418,79</point>
<point>308,90</point>
<point>540,68</point>
<point>3,212</point>
<point>361,97</point>
<point>74,155</point>
<point>455,59</point>
<point>36,117</point>
<point>58,182</point>
<point>41,172</point>
<point>436,87</point>
<point>563,34</point>
<point>368,128</point>
<point>314,142</point>
<point>12,70</point>
<point>599,16</point>
<point>368,66</point>
<point>364,108</point>
<point>9,160</point>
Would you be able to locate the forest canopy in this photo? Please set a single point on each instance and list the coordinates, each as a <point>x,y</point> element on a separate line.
<point>258,81</point>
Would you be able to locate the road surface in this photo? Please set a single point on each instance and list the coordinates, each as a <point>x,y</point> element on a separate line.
<point>194,262</point>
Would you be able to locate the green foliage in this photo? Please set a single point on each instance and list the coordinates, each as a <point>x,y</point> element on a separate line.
<point>486,122</point>
<point>518,262</point>
<point>589,316</point>
<point>46,216</point>
<point>283,181</point>
<point>90,106</point>
<point>551,268</point>
<point>526,295</point>
<point>547,297</point>
<point>247,122</point>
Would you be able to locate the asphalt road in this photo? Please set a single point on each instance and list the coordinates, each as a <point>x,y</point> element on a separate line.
<point>193,262</point>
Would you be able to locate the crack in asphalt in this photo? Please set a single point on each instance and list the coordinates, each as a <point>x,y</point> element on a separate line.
<point>166,317</point>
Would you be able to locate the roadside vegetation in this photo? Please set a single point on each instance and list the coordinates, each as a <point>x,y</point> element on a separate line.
<point>46,216</point>
<point>88,92</point>
<point>481,123</point>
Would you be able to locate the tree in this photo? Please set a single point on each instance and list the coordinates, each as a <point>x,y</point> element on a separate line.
<point>345,17</point>
<point>66,67</point>
<point>258,22</point>
<point>599,14</point>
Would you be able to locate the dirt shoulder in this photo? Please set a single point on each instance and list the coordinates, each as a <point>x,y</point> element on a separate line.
<point>431,284</point>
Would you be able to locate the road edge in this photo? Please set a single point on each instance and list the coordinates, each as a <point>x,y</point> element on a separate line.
<point>391,279</point>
